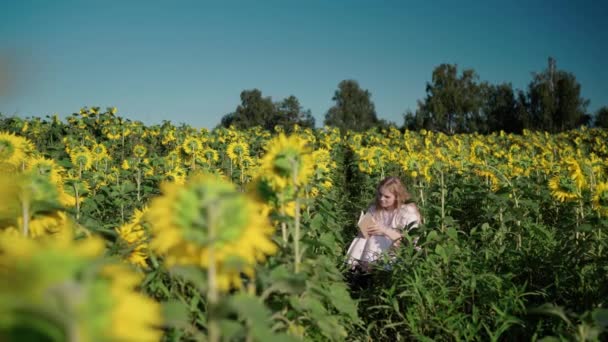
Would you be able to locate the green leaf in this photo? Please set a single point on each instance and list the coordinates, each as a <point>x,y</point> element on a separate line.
<point>250,307</point>
<point>600,316</point>
<point>340,299</point>
<point>230,329</point>
<point>452,233</point>
<point>192,274</point>
<point>551,309</point>
<point>317,222</point>
<point>175,312</point>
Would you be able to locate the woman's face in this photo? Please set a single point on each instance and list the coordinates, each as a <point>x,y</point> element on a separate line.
<point>387,199</point>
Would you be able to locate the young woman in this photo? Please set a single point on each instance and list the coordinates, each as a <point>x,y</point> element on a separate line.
<point>392,215</point>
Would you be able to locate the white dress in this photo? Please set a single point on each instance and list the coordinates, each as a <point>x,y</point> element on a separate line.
<point>364,250</point>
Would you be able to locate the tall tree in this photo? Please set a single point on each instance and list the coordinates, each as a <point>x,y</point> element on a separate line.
<point>290,112</point>
<point>353,109</point>
<point>254,110</point>
<point>601,117</point>
<point>452,104</point>
<point>555,100</point>
<point>501,109</point>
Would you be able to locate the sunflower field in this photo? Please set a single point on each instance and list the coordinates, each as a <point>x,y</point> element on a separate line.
<point>111,230</point>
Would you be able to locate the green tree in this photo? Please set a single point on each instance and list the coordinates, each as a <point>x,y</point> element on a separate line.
<point>254,110</point>
<point>501,109</point>
<point>353,109</point>
<point>601,117</point>
<point>290,112</point>
<point>453,103</point>
<point>555,100</point>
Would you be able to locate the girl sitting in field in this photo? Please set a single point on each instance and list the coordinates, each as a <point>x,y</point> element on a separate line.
<point>391,214</point>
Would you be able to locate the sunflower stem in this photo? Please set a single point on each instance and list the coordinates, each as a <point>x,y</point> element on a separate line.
<point>138,184</point>
<point>77,196</point>
<point>296,239</point>
<point>442,203</point>
<point>212,292</point>
<point>25,208</point>
<point>283,225</point>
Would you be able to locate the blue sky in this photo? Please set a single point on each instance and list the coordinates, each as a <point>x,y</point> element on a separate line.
<point>188,61</point>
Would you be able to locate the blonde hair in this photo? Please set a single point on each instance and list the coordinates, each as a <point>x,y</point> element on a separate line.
<point>394,185</point>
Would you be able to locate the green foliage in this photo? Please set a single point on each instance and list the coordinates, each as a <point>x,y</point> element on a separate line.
<point>601,117</point>
<point>555,100</point>
<point>256,110</point>
<point>353,108</point>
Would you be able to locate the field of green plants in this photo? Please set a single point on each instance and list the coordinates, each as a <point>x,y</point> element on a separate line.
<point>111,230</point>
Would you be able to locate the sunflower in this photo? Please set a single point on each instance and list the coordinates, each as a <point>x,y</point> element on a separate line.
<point>113,132</point>
<point>322,159</point>
<point>208,213</point>
<point>599,201</point>
<point>47,224</point>
<point>27,196</point>
<point>44,278</point>
<point>168,137</point>
<point>576,173</point>
<point>236,151</point>
<point>210,155</point>
<point>82,159</point>
<point>177,175</point>
<point>563,188</point>
<point>12,148</point>
<point>134,237</point>
<point>46,167</point>
<point>191,145</point>
<point>139,150</point>
<point>491,177</point>
<point>287,161</point>
<point>99,151</point>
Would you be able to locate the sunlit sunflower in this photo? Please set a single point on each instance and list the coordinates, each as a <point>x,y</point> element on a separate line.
<point>576,173</point>
<point>44,278</point>
<point>236,151</point>
<point>208,215</point>
<point>11,149</point>
<point>491,177</point>
<point>210,155</point>
<point>135,238</point>
<point>82,159</point>
<point>46,167</point>
<point>48,224</point>
<point>287,161</point>
<point>99,151</point>
<point>139,150</point>
<point>191,145</point>
<point>563,188</point>
<point>177,175</point>
<point>599,200</point>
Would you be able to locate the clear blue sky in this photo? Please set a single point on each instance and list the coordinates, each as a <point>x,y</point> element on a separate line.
<point>188,61</point>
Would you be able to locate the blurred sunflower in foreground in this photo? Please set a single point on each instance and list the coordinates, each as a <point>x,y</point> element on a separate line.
<point>207,222</point>
<point>57,288</point>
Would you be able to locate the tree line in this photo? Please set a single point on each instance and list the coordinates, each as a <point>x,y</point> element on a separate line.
<point>455,102</point>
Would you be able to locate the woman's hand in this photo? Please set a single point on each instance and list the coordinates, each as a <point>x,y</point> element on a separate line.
<point>376,230</point>
<point>382,231</point>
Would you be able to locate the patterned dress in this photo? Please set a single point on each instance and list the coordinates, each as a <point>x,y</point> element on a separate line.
<point>364,251</point>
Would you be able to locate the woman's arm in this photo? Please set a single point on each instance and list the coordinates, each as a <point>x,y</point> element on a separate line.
<point>390,233</point>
